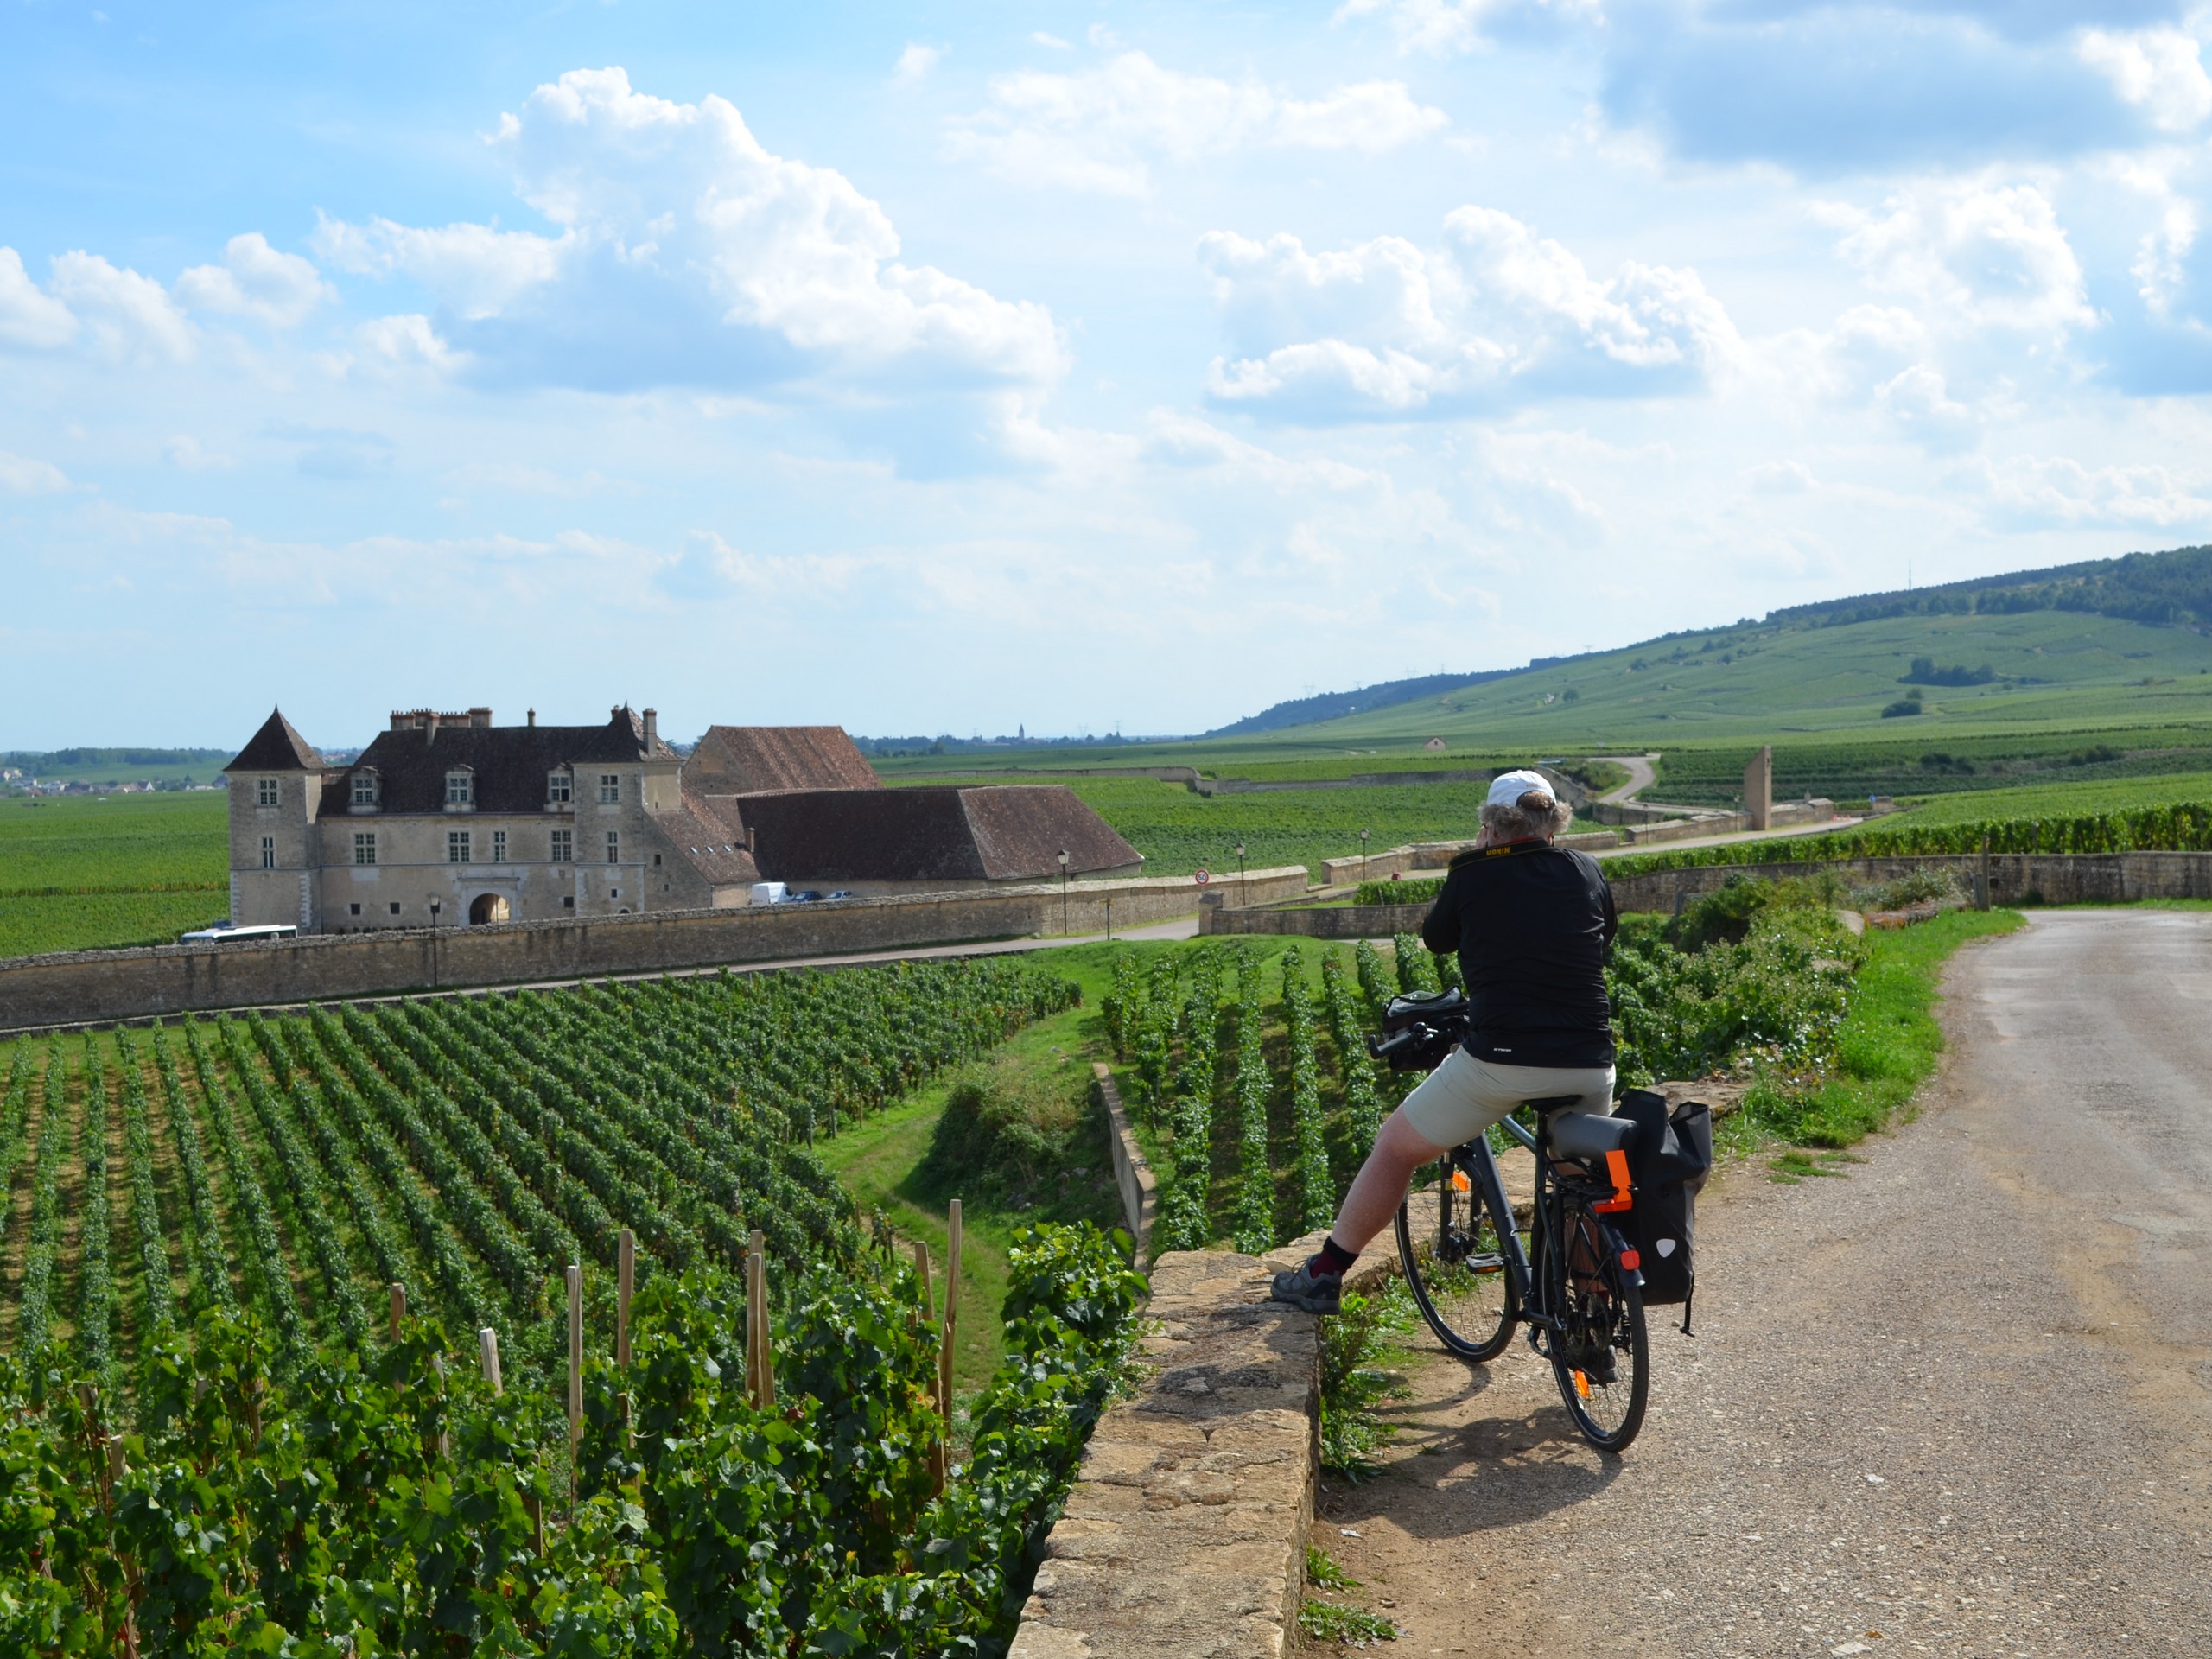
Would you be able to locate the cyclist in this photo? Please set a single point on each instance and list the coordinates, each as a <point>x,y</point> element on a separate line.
<point>1532,922</point>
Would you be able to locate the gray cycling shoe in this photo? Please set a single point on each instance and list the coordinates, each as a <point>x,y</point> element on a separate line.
<point>1315,1292</point>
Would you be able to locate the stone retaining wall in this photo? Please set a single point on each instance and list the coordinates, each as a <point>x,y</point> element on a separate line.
<point>99,985</point>
<point>1318,921</point>
<point>1185,1531</point>
<point>2014,879</point>
<point>1132,1173</point>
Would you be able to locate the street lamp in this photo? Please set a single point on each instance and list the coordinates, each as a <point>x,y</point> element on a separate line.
<point>1363,858</point>
<point>1064,891</point>
<point>1239,874</point>
<point>434,908</point>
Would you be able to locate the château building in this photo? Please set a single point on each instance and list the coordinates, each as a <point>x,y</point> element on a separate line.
<point>448,820</point>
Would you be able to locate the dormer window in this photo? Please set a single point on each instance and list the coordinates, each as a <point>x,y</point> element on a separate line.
<point>365,788</point>
<point>610,788</point>
<point>265,792</point>
<point>560,788</point>
<point>460,787</point>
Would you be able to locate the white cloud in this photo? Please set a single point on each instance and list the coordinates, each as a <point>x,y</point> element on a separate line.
<point>1101,130</point>
<point>2156,70</point>
<point>1443,27</point>
<point>1780,477</point>
<point>1052,41</point>
<point>1178,440</point>
<point>25,476</point>
<point>184,451</point>
<point>128,317</point>
<point>2032,491</point>
<point>1919,401</point>
<point>1976,254</point>
<point>29,316</point>
<point>401,344</point>
<point>256,280</point>
<point>473,268</point>
<point>915,63</point>
<point>1495,315</point>
<point>688,255</point>
<point>522,479</point>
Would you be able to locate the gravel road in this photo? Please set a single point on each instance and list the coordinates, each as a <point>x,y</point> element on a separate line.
<point>1958,1401</point>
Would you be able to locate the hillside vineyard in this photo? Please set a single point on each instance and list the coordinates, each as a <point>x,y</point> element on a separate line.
<point>468,1149</point>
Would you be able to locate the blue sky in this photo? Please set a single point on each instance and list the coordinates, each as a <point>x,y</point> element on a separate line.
<point>1082,367</point>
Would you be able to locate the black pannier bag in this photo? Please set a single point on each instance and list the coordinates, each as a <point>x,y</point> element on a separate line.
<point>1668,1162</point>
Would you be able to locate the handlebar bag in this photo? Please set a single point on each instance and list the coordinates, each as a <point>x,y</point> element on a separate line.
<point>1668,1159</point>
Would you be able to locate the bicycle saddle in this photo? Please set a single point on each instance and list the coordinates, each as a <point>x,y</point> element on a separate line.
<point>1587,1134</point>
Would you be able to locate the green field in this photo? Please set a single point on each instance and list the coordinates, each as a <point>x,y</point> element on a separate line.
<point>137,765</point>
<point>80,873</point>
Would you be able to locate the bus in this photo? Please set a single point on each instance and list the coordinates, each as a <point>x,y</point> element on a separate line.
<point>231,934</point>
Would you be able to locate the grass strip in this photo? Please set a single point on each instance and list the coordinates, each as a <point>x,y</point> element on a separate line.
<point>1889,1045</point>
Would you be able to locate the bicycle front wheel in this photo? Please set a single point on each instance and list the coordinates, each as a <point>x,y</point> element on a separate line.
<point>1455,1262</point>
<point>1600,1354</point>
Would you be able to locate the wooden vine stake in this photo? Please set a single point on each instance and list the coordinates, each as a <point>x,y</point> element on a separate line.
<point>626,1281</point>
<point>943,1458</point>
<point>398,1307</point>
<point>575,1376</point>
<point>445,1439</point>
<point>760,1357</point>
<point>487,1348</point>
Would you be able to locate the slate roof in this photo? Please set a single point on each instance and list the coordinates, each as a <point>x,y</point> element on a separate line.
<point>713,849</point>
<point>994,833</point>
<point>747,759</point>
<point>511,763</point>
<point>276,748</point>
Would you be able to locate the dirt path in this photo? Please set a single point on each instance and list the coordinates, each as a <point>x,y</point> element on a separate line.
<point>1961,1398</point>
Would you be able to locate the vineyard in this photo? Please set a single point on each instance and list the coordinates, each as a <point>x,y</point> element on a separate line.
<point>1248,1069</point>
<point>1846,770</point>
<point>259,1451</point>
<point>84,873</point>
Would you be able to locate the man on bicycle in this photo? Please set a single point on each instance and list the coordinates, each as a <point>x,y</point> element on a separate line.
<point>1532,922</point>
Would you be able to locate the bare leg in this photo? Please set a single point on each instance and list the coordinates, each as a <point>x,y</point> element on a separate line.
<point>1380,1187</point>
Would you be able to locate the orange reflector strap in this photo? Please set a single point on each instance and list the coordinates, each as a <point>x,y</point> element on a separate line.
<point>1582,1385</point>
<point>1617,1170</point>
<point>1460,1182</point>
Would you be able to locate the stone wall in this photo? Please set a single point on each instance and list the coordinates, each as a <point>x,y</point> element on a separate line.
<point>2014,878</point>
<point>1132,1172</point>
<point>100,985</point>
<point>1318,921</point>
<point>1185,1532</point>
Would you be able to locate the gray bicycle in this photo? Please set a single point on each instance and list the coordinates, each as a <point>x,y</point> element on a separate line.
<point>1563,1270</point>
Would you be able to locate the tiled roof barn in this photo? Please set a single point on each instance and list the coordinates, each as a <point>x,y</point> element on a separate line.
<point>950,835</point>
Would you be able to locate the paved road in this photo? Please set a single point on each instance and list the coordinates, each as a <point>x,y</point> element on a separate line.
<point>1641,774</point>
<point>1962,1397</point>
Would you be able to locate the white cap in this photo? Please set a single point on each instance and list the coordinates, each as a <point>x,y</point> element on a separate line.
<point>1508,787</point>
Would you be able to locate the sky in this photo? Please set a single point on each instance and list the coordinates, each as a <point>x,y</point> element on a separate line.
<point>1080,368</point>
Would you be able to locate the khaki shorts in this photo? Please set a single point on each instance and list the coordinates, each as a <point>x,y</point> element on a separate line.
<point>1464,1095</point>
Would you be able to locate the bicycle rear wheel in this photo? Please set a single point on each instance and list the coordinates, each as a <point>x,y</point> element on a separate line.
<point>1601,1357</point>
<point>1455,1265</point>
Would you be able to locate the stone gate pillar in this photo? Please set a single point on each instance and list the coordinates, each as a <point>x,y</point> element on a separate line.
<point>1758,789</point>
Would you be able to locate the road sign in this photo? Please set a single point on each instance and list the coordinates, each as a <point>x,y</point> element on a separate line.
<point>1204,878</point>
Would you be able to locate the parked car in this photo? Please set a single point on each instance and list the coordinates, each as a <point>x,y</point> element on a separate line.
<point>841,893</point>
<point>809,897</point>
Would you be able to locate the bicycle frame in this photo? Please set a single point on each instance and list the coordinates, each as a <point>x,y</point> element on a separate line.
<point>1523,1290</point>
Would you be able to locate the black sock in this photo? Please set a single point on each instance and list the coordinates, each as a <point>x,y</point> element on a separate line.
<point>1334,1259</point>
